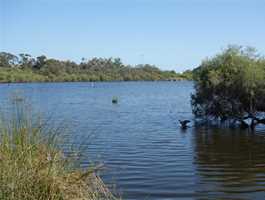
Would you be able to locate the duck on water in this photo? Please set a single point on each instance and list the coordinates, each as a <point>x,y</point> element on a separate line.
<point>184,123</point>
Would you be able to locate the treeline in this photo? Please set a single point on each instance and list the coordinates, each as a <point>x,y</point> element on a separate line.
<point>25,68</point>
<point>231,87</point>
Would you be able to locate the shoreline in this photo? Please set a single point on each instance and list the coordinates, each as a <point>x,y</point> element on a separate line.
<point>113,81</point>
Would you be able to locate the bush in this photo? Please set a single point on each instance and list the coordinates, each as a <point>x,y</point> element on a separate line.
<point>230,85</point>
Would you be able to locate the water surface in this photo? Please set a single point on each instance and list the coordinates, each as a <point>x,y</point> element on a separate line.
<point>145,153</point>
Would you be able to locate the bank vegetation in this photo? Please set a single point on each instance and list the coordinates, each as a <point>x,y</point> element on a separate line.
<point>230,87</point>
<point>25,68</point>
<point>32,166</point>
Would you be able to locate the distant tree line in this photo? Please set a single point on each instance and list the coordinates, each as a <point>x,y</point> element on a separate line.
<point>25,68</point>
<point>231,87</point>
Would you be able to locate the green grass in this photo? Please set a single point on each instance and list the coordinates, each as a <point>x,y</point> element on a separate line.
<point>33,168</point>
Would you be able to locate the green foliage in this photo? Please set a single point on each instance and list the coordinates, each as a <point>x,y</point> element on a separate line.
<point>187,75</point>
<point>7,59</point>
<point>230,85</point>
<point>25,68</point>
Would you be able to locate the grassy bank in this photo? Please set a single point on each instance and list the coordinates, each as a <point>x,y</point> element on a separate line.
<point>33,168</point>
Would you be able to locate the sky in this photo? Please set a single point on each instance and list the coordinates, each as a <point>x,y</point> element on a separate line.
<point>171,34</point>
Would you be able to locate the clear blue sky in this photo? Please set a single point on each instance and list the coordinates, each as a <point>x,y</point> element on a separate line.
<point>172,34</point>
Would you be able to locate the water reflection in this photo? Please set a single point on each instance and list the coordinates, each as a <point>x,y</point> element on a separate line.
<point>230,164</point>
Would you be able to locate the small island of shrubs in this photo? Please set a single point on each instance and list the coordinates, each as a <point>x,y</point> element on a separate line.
<point>230,87</point>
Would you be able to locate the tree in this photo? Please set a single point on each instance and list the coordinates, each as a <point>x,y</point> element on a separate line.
<point>8,60</point>
<point>41,60</point>
<point>26,61</point>
<point>231,86</point>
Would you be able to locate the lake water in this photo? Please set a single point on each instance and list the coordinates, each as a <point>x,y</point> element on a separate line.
<point>145,153</point>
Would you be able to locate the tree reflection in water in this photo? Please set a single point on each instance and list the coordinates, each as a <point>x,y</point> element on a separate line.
<point>230,164</point>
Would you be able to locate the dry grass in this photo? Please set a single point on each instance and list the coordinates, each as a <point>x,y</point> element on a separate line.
<point>32,167</point>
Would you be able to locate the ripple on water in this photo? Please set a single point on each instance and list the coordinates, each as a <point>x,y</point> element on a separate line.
<point>144,152</point>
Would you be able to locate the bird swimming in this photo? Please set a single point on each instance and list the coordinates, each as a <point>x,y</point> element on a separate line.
<point>184,123</point>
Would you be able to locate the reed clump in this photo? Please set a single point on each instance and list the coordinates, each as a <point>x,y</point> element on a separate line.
<point>33,168</point>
